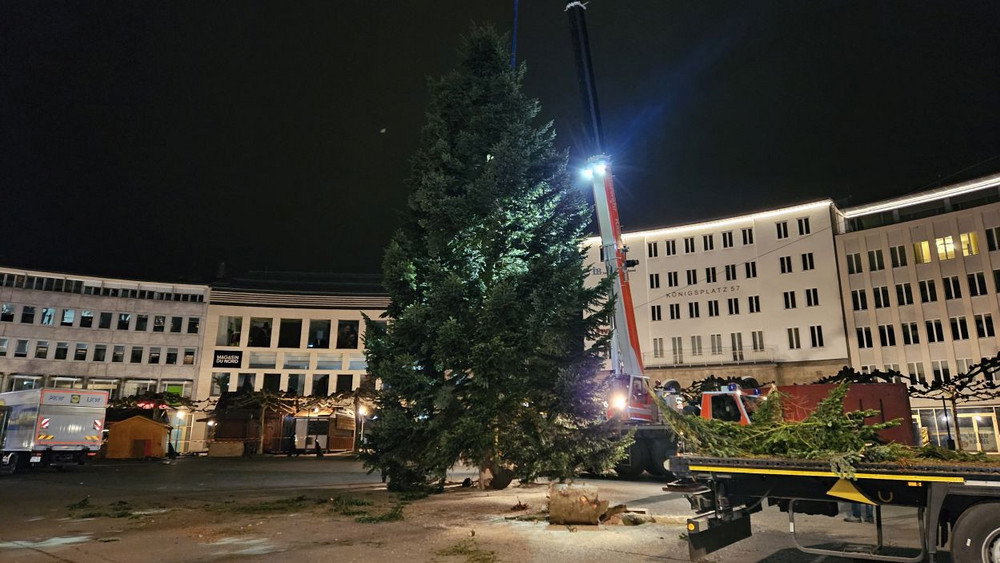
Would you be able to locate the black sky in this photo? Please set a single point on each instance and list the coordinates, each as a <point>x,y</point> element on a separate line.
<point>156,139</point>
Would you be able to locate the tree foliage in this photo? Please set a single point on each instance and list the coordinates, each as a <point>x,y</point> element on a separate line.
<point>484,359</point>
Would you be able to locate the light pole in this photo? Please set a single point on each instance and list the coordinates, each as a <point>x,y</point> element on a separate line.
<point>177,430</point>
<point>362,413</point>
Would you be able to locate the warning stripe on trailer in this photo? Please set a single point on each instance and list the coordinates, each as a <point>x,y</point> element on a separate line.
<point>801,473</point>
<point>45,423</point>
<point>45,437</point>
<point>98,425</point>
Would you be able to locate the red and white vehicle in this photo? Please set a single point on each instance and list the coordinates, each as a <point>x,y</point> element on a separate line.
<point>50,427</point>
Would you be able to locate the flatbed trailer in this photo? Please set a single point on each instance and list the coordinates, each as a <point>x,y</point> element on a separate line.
<point>960,502</point>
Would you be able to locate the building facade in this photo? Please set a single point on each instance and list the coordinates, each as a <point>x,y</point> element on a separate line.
<point>920,277</point>
<point>755,295</point>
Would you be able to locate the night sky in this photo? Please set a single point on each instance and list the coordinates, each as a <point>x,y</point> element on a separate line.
<point>154,140</point>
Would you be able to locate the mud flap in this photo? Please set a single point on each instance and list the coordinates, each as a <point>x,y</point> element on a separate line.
<point>709,535</point>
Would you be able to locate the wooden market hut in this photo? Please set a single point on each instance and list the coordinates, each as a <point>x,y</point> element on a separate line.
<point>136,438</point>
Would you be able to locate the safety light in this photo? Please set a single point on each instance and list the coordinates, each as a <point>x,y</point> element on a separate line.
<point>600,168</point>
<point>587,173</point>
<point>618,402</point>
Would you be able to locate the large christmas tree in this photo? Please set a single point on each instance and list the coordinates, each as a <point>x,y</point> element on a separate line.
<point>484,359</point>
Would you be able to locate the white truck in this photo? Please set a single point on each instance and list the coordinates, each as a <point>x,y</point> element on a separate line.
<point>50,427</point>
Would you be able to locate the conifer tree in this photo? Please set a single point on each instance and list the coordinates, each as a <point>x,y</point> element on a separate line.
<point>484,359</point>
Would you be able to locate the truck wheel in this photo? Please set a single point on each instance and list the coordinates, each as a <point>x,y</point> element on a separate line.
<point>10,467</point>
<point>636,462</point>
<point>658,454</point>
<point>976,536</point>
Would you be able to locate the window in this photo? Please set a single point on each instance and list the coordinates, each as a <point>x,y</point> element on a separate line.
<point>935,333</point>
<point>716,341</point>
<point>654,281</point>
<point>321,385</point>
<point>922,252</point>
<point>188,356</point>
<point>229,331</point>
<point>345,383</point>
<point>657,347</point>
<point>135,356</point>
<point>970,244</point>
<point>945,247</point>
<point>290,333</point>
<point>812,297</point>
<point>193,324</point>
<point>751,268</point>
<point>296,384</point>
<point>141,322</point>
<point>42,349</point>
<point>886,335</point>
<point>688,245</point>
<point>154,355</point>
<point>347,334</point>
<point>753,303</point>
<point>171,356</point>
<point>959,328</point>
<point>977,284</point>
<point>260,332</point>
<point>898,256</point>
<point>782,228</point>
<point>693,310</point>
<point>952,289</point>
<point>916,372</point>
<point>220,384</point>
<point>671,246</point>
<point>692,277</point>
<point>265,360</point>
<point>864,337</point>
<point>159,323</point>
<point>100,352</point>
<point>727,239</point>
<point>881,295</point>
<point>675,311</point>
<point>48,316</point>
<point>786,264</point>
<point>708,242</point>
<point>3,347</point>
<point>27,315</point>
<point>118,354</point>
<point>713,308</point>
<point>963,365</point>
<point>928,292</point>
<point>21,350</point>
<point>904,294</point>
<point>319,330</point>
<point>910,334</point>
<point>652,249</point>
<point>816,336</point>
<point>789,299</point>
<point>730,272</point>
<point>734,306</point>
<point>677,347</point>
<point>672,279</point>
<point>737,340</point>
<point>804,226</point>
<point>942,374</point>
<point>992,237</point>
<point>68,316</point>
<point>124,320</point>
<point>984,326</point>
<point>859,299</point>
<point>176,323</point>
<point>656,314</point>
<point>757,340</point>
<point>748,236</point>
<point>7,312</point>
<point>854,263</point>
<point>86,319</point>
<point>696,349</point>
<point>807,262</point>
<point>875,260</point>
<point>62,350</point>
<point>793,339</point>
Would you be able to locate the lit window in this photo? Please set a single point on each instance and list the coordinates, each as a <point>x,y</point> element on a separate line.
<point>970,244</point>
<point>945,248</point>
<point>922,252</point>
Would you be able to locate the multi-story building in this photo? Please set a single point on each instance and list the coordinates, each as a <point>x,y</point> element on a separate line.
<point>920,277</point>
<point>299,333</point>
<point>80,332</point>
<point>754,295</point>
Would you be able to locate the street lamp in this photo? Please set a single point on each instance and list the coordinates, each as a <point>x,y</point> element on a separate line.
<point>177,430</point>
<point>363,412</point>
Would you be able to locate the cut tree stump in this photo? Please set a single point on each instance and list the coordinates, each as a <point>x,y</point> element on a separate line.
<point>575,504</point>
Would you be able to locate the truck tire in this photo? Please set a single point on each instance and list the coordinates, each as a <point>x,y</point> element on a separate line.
<point>976,535</point>
<point>636,461</point>
<point>658,454</point>
<point>10,467</point>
